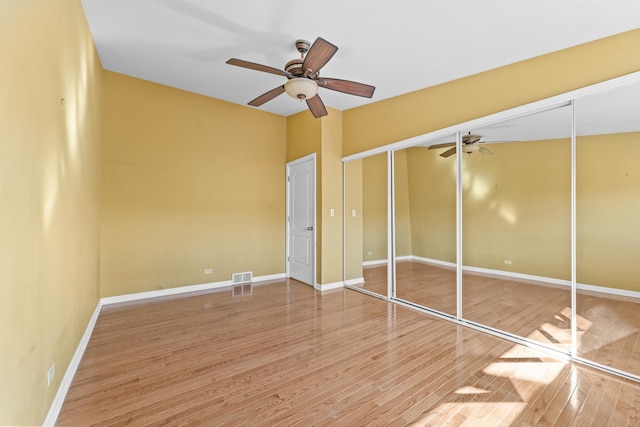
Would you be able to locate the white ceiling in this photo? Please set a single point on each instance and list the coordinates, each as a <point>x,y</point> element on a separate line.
<point>398,46</point>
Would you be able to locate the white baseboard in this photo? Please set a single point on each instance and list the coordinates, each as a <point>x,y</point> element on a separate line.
<point>270,277</point>
<point>164,292</point>
<point>354,282</point>
<point>377,262</point>
<point>329,286</point>
<point>521,276</point>
<point>374,262</point>
<point>61,394</point>
<point>183,289</point>
<point>610,291</point>
<point>542,279</point>
<point>434,261</point>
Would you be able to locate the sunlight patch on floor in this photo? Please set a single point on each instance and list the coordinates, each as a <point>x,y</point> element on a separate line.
<point>470,390</point>
<point>456,413</point>
<point>599,333</point>
<point>553,335</point>
<point>520,373</point>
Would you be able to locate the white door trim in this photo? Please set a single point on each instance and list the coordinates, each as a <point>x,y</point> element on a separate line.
<point>290,164</point>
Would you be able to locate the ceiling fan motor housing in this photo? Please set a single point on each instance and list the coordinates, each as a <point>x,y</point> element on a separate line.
<point>294,67</point>
<point>302,46</point>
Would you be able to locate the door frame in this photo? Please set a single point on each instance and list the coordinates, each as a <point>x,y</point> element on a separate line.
<point>311,157</point>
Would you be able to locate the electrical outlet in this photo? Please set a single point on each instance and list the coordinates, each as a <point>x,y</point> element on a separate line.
<point>51,374</point>
<point>332,212</point>
<point>208,271</point>
<point>507,261</point>
<point>369,253</point>
<point>353,213</point>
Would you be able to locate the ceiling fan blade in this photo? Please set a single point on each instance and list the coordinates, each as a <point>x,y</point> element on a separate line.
<point>316,106</point>
<point>449,152</point>
<point>319,54</point>
<point>257,67</point>
<point>484,150</point>
<point>471,138</point>
<point>267,96</point>
<point>346,86</point>
<point>446,144</point>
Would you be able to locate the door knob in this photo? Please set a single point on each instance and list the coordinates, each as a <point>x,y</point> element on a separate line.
<point>310,228</point>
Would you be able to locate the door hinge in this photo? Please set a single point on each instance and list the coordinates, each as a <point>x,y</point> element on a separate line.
<point>288,179</point>
<point>288,259</point>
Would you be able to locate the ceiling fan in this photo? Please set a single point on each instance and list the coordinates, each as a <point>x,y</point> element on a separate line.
<point>468,146</point>
<point>303,77</point>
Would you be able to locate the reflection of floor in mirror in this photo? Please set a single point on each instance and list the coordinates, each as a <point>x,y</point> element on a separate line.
<point>607,325</point>
<point>608,330</point>
<point>290,355</point>
<point>375,279</point>
<point>242,289</point>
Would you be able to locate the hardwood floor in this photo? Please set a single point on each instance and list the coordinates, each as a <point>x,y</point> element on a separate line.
<point>285,354</point>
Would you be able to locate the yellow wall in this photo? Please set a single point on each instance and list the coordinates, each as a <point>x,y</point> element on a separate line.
<point>304,136</point>
<point>374,207</point>
<point>517,206</point>
<point>332,226</point>
<point>49,197</point>
<point>190,183</point>
<point>432,195</point>
<point>444,105</point>
<point>353,226</point>
<point>608,203</point>
<point>402,214</point>
<point>307,135</point>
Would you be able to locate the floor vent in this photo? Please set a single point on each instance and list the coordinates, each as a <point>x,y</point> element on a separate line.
<point>238,278</point>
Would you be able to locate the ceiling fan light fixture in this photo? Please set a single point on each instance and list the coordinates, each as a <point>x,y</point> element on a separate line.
<point>301,88</point>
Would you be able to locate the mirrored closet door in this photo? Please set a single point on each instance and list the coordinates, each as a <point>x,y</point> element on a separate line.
<point>608,228</point>
<point>516,226</point>
<point>527,226</point>
<point>366,194</point>
<point>425,226</point>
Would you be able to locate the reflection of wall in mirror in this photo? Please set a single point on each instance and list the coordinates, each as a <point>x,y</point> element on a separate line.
<point>432,202</point>
<point>608,202</point>
<point>353,254</point>
<point>374,207</point>
<point>516,206</point>
<point>402,214</point>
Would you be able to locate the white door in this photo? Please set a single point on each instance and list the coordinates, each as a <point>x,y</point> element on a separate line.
<point>301,219</point>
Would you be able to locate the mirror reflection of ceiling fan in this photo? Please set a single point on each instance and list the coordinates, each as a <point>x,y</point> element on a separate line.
<point>469,146</point>
<point>303,77</point>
